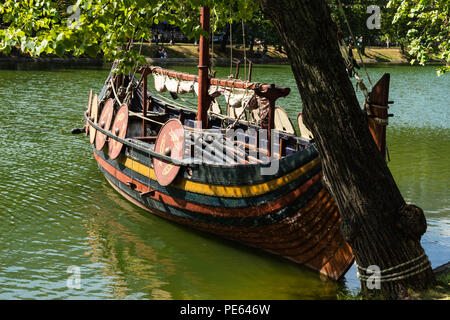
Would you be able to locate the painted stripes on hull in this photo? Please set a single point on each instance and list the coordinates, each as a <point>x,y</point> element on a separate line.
<point>179,207</point>
<point>330,256</point>
<point>244,191</point>
<point>238,175</point>
<point>213,202</point>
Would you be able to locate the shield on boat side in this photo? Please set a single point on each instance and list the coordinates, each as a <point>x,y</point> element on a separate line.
<point>105,123</point>
<point>119,129</point>
<point>170,142</point>
<point>94,118</point>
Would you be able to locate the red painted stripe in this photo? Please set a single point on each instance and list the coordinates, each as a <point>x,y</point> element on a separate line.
<point>320,261</point>
<point>215,211</point>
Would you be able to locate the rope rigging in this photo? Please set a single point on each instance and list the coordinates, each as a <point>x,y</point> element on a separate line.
<point>245,50</point>
<point>341,8</point>
<point>351,64</point>
<point>231,43</point>
<point>212,72</point>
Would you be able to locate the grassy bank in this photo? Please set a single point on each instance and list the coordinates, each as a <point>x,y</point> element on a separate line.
<point>190,51</point>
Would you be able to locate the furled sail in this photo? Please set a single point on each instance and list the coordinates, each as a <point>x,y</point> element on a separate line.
<point>238,100</point>
<point>164,83</point>
<point>160,82</point>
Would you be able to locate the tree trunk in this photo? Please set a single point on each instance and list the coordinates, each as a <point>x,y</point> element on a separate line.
<point>381,229</point>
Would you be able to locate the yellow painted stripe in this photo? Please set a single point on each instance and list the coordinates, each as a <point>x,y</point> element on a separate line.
<point>224,191</point>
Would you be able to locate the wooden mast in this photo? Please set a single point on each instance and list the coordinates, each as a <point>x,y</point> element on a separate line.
<point>203,80</point>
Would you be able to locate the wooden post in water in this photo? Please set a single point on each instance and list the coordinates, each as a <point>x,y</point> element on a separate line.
<point>203,99</point>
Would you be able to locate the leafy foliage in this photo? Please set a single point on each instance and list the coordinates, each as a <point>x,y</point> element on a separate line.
<point>428,29</point>
<point>108,27</point>
<point>356,13</point>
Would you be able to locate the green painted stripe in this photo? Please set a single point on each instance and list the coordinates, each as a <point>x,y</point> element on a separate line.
<point>241,174</point>
<point>268,219</point>
<point>213,200</point>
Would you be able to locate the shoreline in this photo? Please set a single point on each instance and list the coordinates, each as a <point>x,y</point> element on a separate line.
<point>98,62</point>
<point>226,61</point>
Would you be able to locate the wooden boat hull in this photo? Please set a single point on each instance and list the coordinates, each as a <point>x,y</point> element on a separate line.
<point>289,214</point>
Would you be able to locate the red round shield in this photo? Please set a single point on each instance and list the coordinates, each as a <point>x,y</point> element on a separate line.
<point>119,128</point>
<point>170,142</point>
<point>88,112</point>
<point>94,118</point>
<point>105,123</point>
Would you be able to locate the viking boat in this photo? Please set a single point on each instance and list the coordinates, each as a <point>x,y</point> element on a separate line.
<point>245,175</point>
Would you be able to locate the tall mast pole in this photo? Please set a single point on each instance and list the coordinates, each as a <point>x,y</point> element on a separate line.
<point>203,63</point>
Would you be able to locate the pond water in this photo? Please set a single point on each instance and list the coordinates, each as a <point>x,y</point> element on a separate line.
<point>57,210</point>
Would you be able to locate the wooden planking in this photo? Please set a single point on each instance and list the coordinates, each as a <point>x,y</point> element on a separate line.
<point>210,210</point>
<point>213,200</point>
<point>217,174</point>
<point>220,190</point>
<point>335,269</point>
<point>240,216</point>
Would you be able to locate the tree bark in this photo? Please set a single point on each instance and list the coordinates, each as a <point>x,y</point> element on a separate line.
<point>377,223</point>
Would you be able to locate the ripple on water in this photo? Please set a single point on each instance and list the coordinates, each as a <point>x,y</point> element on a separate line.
<point>56,209</point>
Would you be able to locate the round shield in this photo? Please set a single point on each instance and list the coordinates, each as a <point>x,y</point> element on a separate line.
<point>94,118</point>
<point>170,142</point>
<point>119,128</point>
<point>105,123</point>
<point>88,112</point>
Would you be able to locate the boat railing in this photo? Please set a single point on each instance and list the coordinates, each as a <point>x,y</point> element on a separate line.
<point>271,92</point>
<point>130,142</point>
<point>275,91</point>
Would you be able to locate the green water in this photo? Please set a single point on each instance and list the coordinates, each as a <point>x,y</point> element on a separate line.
<point>57,210</point>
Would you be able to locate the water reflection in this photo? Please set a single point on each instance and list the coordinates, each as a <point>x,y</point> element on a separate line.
<point>57,210</point>
<point>146,257</point>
